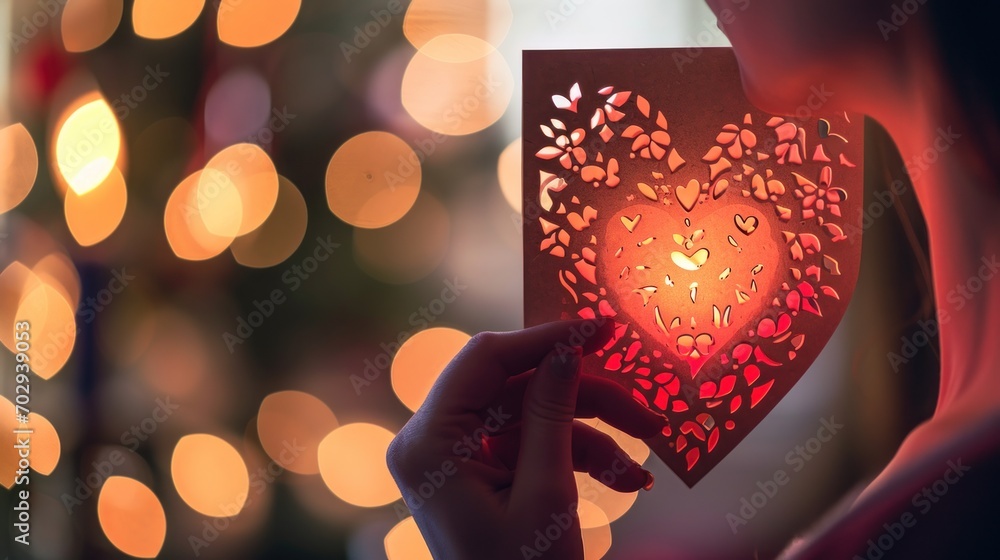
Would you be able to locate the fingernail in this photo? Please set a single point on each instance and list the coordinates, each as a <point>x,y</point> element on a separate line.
<point>649,481</point>
<point>566,361</point>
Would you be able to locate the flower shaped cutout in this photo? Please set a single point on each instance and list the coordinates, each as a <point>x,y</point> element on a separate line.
<point>817,198</point>
<point>567,147</point>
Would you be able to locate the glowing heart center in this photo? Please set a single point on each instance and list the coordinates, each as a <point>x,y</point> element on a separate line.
<point>691,283</point>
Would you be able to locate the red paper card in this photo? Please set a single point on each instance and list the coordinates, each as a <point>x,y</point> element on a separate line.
<point>723,242</point>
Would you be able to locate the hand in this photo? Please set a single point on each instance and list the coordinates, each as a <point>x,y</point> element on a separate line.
<point>486,464</point>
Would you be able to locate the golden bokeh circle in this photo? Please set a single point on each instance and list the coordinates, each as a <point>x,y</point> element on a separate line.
<point>420,360</point>
<point>352,465</point>
<point>373,180</point>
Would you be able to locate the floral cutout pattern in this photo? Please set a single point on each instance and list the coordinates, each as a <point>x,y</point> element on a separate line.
<point>716,269</point>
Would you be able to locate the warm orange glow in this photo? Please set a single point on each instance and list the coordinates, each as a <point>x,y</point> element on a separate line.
<point>509,174</point>
<point>87,145</point>
<point>18,165</point>
<point>159,19</point>
<point>352,464</point>
<point>590,514</point>
<point>252,23</point>
<point>58,271</point>
<point>420,360</point>
<point>95,215</point>
<point>132,517</point>
<point>596,542</point>
<point>291,420</point>
<point>488,20</point>
<point>409,249</point>
<point>457,85</point>
<point>53,328</point>
<point>237,190</point>
<point>404,542</point>
<point>186,231</point>
<point>170,350</point>
<point>87,24</point>
<point>280,234</point>
<point>15,281</point>
<point>45,446</point>
<point>613,504</point>
<point>210,475</point>
<point>636,448</point>
<point>373,180</point>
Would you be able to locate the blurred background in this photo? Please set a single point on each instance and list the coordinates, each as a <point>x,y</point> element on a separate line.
<point>227,388</point>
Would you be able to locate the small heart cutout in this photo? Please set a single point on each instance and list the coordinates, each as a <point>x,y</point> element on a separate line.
<point>748,225</point>
<point>630,223</point>
<point>722,288</point>
<point>689,194</point>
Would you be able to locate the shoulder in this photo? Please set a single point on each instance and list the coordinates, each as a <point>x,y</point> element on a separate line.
<point>943,504</point>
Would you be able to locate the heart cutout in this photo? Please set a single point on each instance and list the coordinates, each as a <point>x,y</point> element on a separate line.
<point>721,279</point>
<point>689,194</point>
<point>725,251</point>
<point>746,225</point>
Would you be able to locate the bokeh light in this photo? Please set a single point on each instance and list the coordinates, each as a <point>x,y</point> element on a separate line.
<point>457,85</point>
<point>87,145</point>
<point>613,504</point>
<point>186,232</point>
<point>373,180</point>
<point>15,280</point>
<point>352,464</point>
<point>509,174</point>
<point>132,517</point>
<point>58,271</point>
<point>488,20</point>
<point>420,360</point>
<point>171,352</point>
<point>404,542</point>
<point>53,328</point>
<point>210,475</point>
<point>160,19</point>
<point>237,190</point>
<point>291,425</point>
<point>237,108</point>
<point>409,249</point>
<point>88,24</point>
<point>280,234</point>
<point>252,23</point>
<point>18,165</point>
<point>95,215</point>
<point>45,446</point>
<point>596,542</point>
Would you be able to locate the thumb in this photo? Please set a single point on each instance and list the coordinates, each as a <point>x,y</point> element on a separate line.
<point>545,460</point>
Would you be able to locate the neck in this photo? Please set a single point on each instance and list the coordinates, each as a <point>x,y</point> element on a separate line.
<point>960,199</point>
